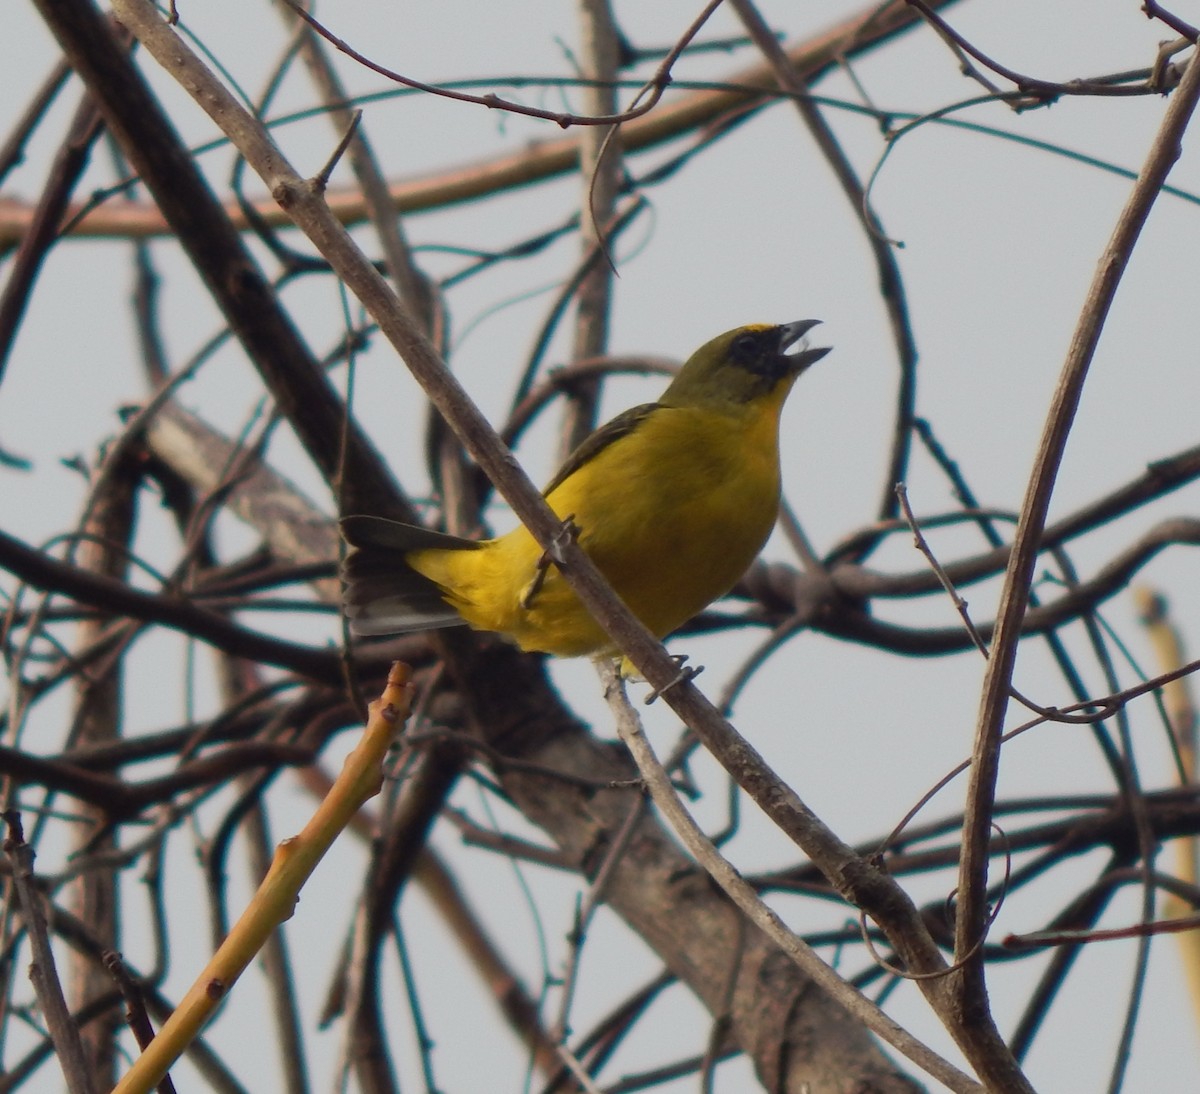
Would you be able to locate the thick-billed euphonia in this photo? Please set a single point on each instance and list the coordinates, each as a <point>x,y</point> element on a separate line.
<point>672,500</point>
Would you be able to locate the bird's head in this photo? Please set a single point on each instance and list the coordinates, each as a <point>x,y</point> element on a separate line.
<point>743,365</point>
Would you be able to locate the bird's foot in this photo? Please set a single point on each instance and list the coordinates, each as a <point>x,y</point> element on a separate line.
<point>568,531</point>
<point>686,672</point>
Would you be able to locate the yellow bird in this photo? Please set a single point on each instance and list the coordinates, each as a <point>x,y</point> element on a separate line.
<point>673,500</point>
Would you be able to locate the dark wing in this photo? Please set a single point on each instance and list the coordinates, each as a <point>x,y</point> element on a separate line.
<point>393,535</point>
<point>384,595</point>
<point>621,426</point>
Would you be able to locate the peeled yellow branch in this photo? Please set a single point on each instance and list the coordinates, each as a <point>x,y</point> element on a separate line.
<point>273,904</point>
<point>1181,712</point>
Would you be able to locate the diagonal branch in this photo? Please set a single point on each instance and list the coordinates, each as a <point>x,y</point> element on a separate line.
<point>972,887</point>
<point>853,875</point>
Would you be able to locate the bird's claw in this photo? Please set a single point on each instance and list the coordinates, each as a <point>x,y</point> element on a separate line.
<point>567,531</point>
<point>686,672</point>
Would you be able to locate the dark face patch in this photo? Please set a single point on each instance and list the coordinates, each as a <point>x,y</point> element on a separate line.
<point>742,365</point>
<point>758,352</point>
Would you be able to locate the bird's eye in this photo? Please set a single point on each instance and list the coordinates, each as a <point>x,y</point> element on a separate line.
<point>745,346</point>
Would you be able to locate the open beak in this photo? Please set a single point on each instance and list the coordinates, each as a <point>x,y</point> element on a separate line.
<point>789,335</point>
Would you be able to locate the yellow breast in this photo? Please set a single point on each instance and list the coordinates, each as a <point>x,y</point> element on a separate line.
<point>672,513</point>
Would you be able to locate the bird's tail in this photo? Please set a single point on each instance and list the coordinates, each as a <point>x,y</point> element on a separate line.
<point>382,593</point>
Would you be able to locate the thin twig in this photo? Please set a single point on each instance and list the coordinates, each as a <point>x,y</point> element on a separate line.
<point>601,167</point>
<point>594,897</point>
<point>972,888</point>
<point>644,101</point>
<point>743,895</point>
<point>1155,10</point>
<point>43,971</point>
<point>748,88</point>
<point>891,283</point>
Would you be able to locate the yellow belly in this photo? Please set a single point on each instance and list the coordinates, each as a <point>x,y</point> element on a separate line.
<point>672,514</point>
